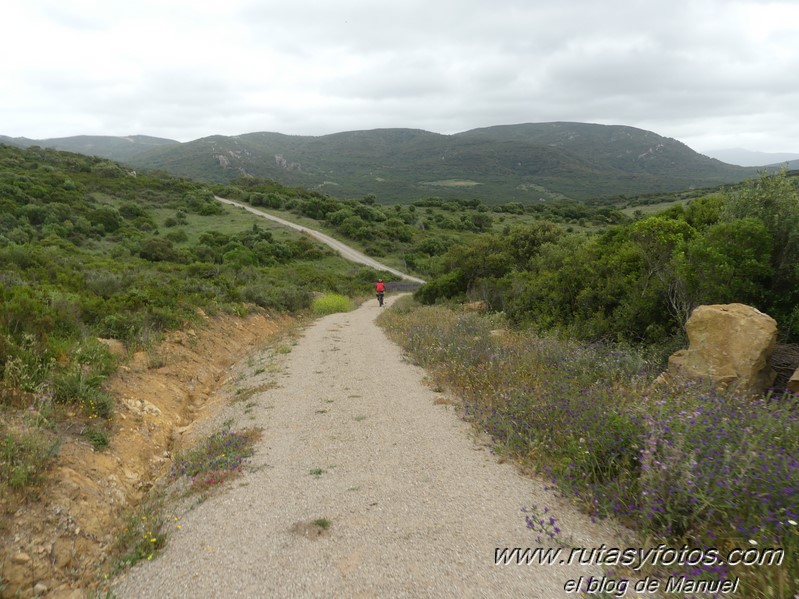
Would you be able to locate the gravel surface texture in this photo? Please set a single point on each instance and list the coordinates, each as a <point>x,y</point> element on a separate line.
<point>416,503</point>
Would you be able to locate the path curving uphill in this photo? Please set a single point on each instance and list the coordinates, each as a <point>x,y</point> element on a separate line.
<point>343,249</point>
<point>353,437</point>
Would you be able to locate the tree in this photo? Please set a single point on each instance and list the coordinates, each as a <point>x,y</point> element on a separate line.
<point>705,211</point>
<point>774,200</point>
<point>730,263</point>
<point>659,239</point>
<point>525,242</point>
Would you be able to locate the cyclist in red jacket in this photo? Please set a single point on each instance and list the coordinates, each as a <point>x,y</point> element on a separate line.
<point>380,289</point>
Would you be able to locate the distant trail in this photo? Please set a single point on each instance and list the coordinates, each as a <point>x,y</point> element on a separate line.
<point>346,251</point>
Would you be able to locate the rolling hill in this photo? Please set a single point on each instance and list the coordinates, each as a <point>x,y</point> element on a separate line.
<point>122,149</point>
<point>744,157</point>
<point>523,163</point>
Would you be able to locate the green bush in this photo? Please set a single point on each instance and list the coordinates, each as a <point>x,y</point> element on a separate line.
<point>331,303</point>
<point>280,297</point>
<point>447,286</point>
<point>97,437</point>
<point>79,382</point>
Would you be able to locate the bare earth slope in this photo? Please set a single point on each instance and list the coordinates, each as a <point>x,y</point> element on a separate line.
<point>416,505</point>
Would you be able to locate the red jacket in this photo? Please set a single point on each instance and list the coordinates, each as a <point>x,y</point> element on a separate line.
<point>380,287</point>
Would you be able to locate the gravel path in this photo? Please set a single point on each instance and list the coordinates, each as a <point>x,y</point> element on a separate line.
<point>343,249</point>
<point>417,506</point>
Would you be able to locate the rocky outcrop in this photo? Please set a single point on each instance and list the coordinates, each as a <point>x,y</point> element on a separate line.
<point>286,165</point>
<point>729,346</point>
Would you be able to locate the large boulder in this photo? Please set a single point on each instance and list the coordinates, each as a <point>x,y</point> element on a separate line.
<point>729,346</point>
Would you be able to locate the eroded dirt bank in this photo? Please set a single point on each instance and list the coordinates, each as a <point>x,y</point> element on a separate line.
<point>56,546</point>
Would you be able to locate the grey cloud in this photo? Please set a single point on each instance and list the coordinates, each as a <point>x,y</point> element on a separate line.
<point>319,66</point>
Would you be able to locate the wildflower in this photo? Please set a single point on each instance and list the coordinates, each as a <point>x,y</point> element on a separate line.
<point>752,542</point>
<point>792,522</point>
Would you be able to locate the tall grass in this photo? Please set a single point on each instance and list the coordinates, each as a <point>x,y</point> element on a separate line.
<point>684,465</point>
<point>24,456</point>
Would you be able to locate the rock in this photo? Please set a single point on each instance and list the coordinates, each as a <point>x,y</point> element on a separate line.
<point>40,588</point>
<point>65,592</point>
<point>20,558</point>
<point>729,345</point>
<point>62,553</point>
<point>141,406</point>
<point>130,475</point>
<point>793,382</point>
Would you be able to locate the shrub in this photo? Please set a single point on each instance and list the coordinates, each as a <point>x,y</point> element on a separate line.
<point>711,461</point>
<point>450,285</point>
<point>216,459</point>
<point>279,297</point>
<point>24,456</point>
<point>97,437</point>
<point>79,382</point>
<point>144,534</point>
<point>178,236</point>
<point>331,303</point>
<point>159,250</point>
<point>683,463</point>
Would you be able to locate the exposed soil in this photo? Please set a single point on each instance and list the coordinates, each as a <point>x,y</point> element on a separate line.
<point>56,545</point>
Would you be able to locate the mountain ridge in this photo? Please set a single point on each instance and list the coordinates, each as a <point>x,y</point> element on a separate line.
<point>744,157</point>
<point>526,162</point>
<point>120,148</point>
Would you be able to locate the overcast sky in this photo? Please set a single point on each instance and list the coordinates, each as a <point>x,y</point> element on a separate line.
<point>711,73</point>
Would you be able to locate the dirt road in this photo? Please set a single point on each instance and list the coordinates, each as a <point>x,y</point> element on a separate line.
<point>352,435</point>
<point>344,250</point>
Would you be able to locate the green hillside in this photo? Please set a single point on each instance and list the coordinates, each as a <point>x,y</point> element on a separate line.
<point>89,249</point>
<point>524,163</point>
<point>121,149</point>
<point>621,148</point>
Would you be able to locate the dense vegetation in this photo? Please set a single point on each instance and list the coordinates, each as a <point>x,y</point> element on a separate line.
<point>89,249</point>
<point>525,163</point>
<point>640,280</point>
<point>413,236</point>
<point>683,466</point>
